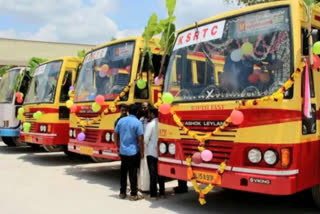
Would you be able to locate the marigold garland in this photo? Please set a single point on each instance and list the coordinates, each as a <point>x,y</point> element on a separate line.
<point>111,108</point>
<point>203,136</point>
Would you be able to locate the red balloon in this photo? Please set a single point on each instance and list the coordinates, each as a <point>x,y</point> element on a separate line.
<point>128,68</point>
<point>74,108</point>
<point>253,78</point>
<point>18,95</point>
<point>236,117</point>
<point>316,62</point>
<point>99,99</point>
<point>165,108</point>
<point>196,158</point>
<point>19,100</point>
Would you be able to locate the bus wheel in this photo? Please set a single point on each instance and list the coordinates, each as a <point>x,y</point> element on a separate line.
<point>53,148</point>
<point>98,160</point>
<point>8,141</point>
<point>17,141</point>
<point>316,195</point>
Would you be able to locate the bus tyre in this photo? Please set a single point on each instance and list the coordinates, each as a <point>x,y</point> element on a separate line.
<point>98,160</point>
<point>316,195</point>
<point>53,148</point>
<point>17,141</point>
<point>8,141</point>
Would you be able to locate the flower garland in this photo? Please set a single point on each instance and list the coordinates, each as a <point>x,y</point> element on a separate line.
<point>111,108</point>
<point>203,136</point>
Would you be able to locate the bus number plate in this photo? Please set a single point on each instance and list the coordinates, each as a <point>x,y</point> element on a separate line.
<point>205,177</point>
<point>86,150</point>
<point>28,139</point>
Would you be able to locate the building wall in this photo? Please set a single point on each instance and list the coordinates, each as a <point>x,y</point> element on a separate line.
<point>18,52</point>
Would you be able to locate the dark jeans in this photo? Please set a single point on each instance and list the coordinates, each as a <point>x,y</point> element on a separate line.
<point>154,178</point>
<point>129,164</point>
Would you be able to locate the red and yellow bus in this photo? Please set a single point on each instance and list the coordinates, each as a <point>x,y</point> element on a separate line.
<point>45,104</point>
<point>110,70</point>
<point>273,148</point>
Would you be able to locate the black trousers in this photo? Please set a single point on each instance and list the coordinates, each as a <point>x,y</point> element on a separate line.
<point>154,178</point>
<point>129,164</point>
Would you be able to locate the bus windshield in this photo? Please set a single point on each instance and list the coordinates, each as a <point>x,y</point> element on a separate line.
<point>242,57</point>
<point>44,83</point>
<point>7,85</point>
<point>105,72</point>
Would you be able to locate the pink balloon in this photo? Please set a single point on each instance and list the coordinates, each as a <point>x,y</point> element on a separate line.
<point>74,108</point>
<point>316,62</point>
<point>165,108</point>
<point>196,158</point>
<point>253,78</point>
<point>81,136</point>
<point>236,117</point>
<point>206,155</point>
<point>158,80</point>
<point>99,99</point>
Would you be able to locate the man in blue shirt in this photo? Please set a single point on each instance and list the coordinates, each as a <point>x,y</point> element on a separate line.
<point>130,131</point>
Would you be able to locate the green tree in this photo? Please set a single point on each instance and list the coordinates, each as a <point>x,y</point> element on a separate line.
<point>4,69</point>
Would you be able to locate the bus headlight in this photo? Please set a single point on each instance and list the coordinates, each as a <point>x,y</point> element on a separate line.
<point>270,157</point>
<point>44,128</point>
<point>163,148</point>
<point>74,133</point>
<point>254,155</point>
<point>172,148</point>
<point>112,137</point>
<point>108,136</point>
<point>70,133</point>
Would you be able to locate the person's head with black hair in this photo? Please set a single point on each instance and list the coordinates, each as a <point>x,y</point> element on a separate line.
<point>133,109</point>
<point>123,108</point>
<point>153,112</point>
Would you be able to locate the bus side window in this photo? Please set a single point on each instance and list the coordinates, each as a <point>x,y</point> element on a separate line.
<point>66,83</point>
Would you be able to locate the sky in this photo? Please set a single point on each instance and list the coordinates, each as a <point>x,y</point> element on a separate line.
<point>94,21</point>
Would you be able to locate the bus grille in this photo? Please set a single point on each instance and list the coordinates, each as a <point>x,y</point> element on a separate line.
<point>221,150</point>
<point>92,135</point>
<point>30,120</point>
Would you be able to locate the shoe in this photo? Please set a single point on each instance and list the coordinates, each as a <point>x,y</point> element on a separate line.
<point>179,190</point>
<point>153,198</point>
<point>122,195</point>
<point>136,197</point>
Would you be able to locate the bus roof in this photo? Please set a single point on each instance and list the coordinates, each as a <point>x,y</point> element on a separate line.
<point>71,58</point>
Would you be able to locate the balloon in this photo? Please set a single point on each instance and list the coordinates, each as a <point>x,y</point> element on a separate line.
<point>18,95</point>
<point>26,130</point>
<point>69,103</point>
<point>264,77</point>
<point>165,108</point>
<point>253,78</point>
<point>19,100</point>
<point>99,99</point>
<point>26,127</point>
<point>316,62</point>
<point>74,108</point>
<point>206,155</point>
<point>21,94</point>
<point>20,117</point>
<point>236,117</point>
<point>37,115</point>
<point>316,48</point>
<point>196,158</point>
<point>102,74</point>
<point>158,80</point>
<point>236,55</point>
<point>105,68</point>
<point>81,136</point>
<point>71,87</point>
<point>21,110</point>
<point>69,93</point>
<point>95,107</point>
<point>247,48</point>
<point>141,84</point>
<point>167,98</point>
<point>128,68</point>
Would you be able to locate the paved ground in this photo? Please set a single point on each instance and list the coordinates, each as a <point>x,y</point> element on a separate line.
<point>35,182</point>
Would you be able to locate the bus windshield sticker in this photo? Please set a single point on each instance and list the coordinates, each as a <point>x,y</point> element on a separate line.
<point>98,54</point>
<point>40,70</point>
<point>202,34</point>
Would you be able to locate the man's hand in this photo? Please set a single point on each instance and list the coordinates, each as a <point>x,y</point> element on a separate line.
<point>116,142</point>
<point>141,146</point>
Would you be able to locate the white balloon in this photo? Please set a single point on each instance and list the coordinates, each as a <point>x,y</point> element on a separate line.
<point>236,55</point>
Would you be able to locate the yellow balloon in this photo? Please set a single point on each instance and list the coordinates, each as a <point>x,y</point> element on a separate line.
<point>247,48</point>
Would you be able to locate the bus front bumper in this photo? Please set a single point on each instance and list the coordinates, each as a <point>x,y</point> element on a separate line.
<point>272,182</point>
<point>10,132</point>
<point>99,150</point>
<point>39,138</point>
